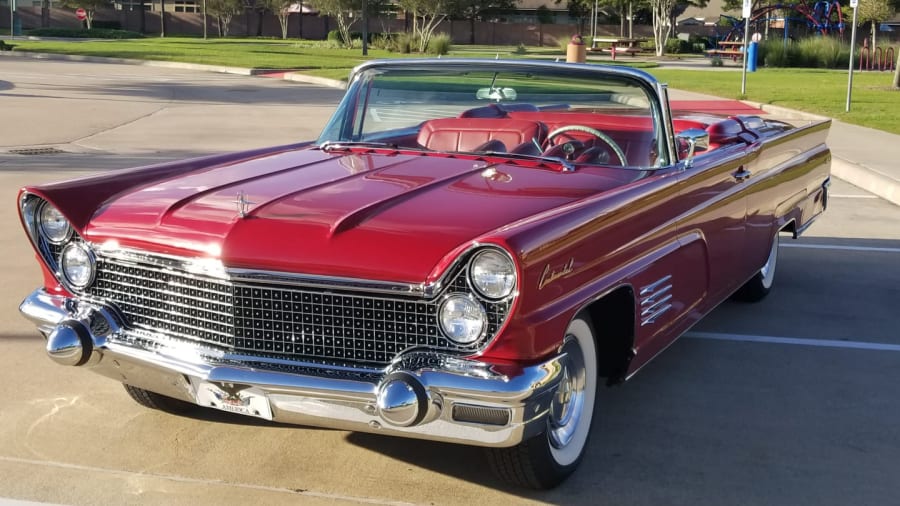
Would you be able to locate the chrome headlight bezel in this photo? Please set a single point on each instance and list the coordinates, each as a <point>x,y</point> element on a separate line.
<point>492,273</point>
<point>70,276</point>
<point>469,315</point>
<point>52,225</point>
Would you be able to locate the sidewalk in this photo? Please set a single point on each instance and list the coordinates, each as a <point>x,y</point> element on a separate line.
<point>867,158</point>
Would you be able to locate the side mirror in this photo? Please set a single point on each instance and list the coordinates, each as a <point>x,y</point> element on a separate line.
<point>695,139</point>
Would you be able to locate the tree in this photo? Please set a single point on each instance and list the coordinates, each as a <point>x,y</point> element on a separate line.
<point>580,10</point>
<point>544,17</point>
<point>482,10</point>
<point>281,10</point>
<point>426,16</point>
<point>896,84</point>
<point>223,11</point>
<point>662,25</point>
<point>90,7</point>
<point>874,11</point>
<point>345,12</point>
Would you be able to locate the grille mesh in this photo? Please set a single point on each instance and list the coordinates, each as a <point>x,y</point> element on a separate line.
<point>287,322</point>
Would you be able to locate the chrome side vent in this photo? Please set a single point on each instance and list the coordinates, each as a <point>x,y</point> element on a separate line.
<point>480,414</point>
<point>655,299</point>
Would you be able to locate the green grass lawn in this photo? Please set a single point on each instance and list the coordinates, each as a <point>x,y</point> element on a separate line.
<point>822,92</point>
<point>874,104</point>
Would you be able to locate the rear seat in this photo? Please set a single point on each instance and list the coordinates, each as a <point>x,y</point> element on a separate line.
<point>468,134</point>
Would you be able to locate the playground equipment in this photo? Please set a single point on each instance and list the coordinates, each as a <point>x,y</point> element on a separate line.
<point>823,17</point>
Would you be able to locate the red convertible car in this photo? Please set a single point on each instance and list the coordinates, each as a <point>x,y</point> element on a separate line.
<point>469,250</point>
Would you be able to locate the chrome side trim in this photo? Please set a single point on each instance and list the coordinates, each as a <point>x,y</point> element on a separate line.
<point>653,286</point>
<point>655,299</point>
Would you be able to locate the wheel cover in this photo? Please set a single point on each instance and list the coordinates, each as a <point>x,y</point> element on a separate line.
<point>596,133</point>
<point>768,270</point>
<point>571,409</point>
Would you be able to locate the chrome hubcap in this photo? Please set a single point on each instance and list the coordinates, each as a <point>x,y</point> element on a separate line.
<point>567,406</point>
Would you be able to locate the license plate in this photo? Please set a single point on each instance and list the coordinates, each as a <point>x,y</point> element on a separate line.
<point>234,398</point>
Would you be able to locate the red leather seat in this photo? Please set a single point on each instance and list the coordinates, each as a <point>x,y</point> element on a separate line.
<point>466,134</point>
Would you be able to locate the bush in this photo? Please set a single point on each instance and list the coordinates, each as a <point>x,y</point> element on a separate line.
<point>6,47</point>
<point>111,25</point>
<point>813,52</point>
<point>716,61</point>
<point>405,43</point>
<point>93,33</point>
<point>439,44</point>
<point>520,49</point>
<point>335,36</point>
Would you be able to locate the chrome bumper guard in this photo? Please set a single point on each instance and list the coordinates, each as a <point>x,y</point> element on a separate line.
<point>420,395</point>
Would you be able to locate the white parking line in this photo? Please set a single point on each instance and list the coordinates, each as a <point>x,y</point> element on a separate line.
<point>820,343</point>
<point>836,196</point>
<point>840,247</point>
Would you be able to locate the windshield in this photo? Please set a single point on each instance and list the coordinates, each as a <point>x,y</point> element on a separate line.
<point>594,118</point>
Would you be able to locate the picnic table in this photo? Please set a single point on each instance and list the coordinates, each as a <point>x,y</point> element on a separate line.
<point>731,48</point>
<point>617,45</point>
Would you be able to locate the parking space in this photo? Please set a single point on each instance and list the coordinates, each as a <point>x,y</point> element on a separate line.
<point>788,401</point>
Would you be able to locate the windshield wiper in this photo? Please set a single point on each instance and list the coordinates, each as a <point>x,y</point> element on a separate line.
<point>329,146</point>
<point>566,165</point>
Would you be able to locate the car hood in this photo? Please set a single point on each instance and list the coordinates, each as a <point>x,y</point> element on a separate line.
<point>374,216</point>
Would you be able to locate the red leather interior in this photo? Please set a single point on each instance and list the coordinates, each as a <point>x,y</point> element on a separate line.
<point>465,134</point>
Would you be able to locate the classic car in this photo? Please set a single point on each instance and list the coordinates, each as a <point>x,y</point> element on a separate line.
<point>468,251</point>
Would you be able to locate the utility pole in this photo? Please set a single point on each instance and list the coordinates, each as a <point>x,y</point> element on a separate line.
<point>854,4</point>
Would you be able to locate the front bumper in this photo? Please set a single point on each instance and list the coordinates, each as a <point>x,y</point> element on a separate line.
<point>420,395</point>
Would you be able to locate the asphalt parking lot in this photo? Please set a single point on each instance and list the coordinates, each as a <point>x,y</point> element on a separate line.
<point>791,401</point>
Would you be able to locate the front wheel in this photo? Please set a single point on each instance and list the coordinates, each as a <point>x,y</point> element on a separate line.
<point>544,461</point>
<point>761,283</point>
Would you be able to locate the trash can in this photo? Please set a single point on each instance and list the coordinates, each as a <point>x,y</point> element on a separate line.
<point>751,56</point>
<point>575,51</point>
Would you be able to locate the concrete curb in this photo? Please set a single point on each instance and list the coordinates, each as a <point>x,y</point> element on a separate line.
<point>321,81</point>
<point>866,178</point>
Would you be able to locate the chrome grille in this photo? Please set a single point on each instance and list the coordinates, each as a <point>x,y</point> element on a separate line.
<point>275,320</point>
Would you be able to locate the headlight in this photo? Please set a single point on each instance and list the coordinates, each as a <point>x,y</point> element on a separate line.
<point>77,263</point>
<point>493,274</point>
<point>54,226</point>
<point>462,319</point>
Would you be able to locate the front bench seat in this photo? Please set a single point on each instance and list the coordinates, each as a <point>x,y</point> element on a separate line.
<point>467,134</point>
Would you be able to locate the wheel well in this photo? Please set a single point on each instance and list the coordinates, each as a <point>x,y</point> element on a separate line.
<point>612,317</point>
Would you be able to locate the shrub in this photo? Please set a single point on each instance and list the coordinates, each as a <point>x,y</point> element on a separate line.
<point>111,25</point>
<point>716,61</point>
<point>520,49</point>
<point>439,44</point>
<point>813,52</point>
<point>405,42</point>
<point>93,33</point>
<point>335,36</point>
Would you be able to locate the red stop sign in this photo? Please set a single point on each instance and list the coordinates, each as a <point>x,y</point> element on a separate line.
<point>81,14</point>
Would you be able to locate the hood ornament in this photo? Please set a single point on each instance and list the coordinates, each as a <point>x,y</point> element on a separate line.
<point>243,205</point>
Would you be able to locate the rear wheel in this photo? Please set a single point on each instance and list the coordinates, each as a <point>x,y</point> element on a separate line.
<point>546,460</point>
<point>154,400</point>
<point>761,283</point>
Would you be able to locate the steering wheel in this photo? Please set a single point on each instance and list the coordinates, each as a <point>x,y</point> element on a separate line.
<point>613,146</point>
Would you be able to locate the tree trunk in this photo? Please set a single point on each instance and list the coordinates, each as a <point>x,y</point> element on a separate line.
<point>142,17</point>
<point>259,22</point>
<point>162,18</point>
<point>540,34</point>
<point>896,84</point>
<point>45,14</point>
<point>472,29</point>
